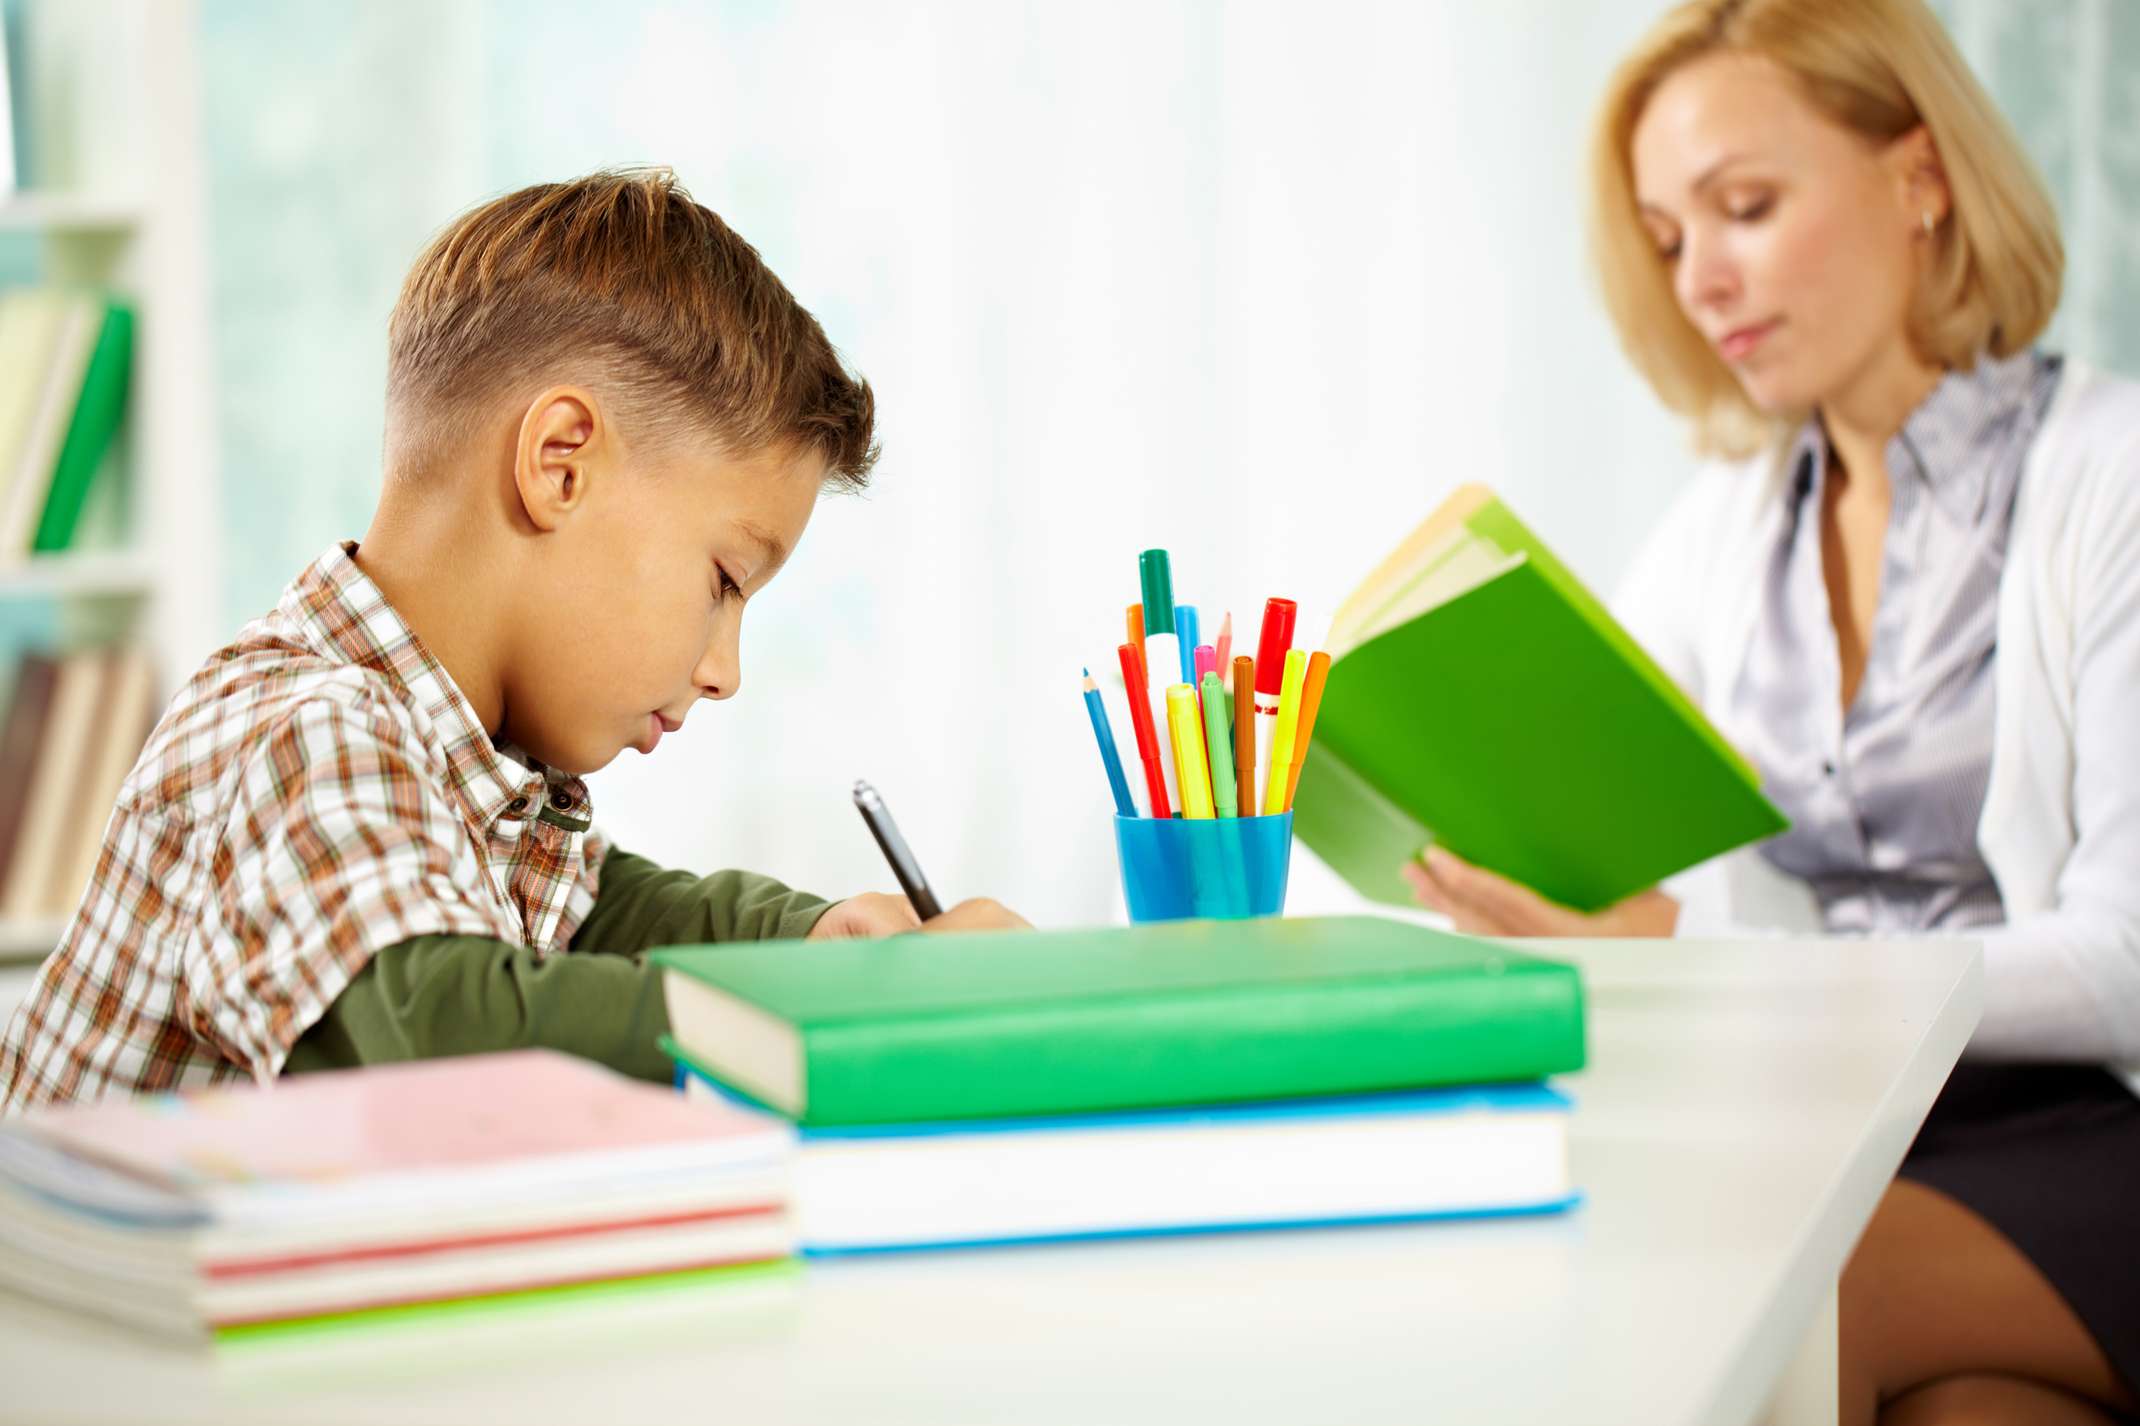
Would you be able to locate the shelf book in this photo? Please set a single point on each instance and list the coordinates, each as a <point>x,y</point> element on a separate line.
<point>74,725</point>
<point>1480,697</point>
<point>76,345</point>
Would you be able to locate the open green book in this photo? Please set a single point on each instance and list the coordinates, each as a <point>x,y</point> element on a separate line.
<point>1480,697</point>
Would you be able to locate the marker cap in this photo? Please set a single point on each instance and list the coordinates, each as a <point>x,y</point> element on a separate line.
<point>1157,576</point>
<point>1277,637</point>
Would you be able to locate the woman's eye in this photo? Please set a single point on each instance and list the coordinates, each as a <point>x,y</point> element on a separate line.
<point>723,586</point>
<point>1753,211</point>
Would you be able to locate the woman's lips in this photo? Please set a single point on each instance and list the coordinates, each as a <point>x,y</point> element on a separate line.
<point>1738,345</point>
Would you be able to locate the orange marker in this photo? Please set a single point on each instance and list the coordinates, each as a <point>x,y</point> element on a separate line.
<point>1311,699</point>
<point>1135,616</point>
<point>1244,734</point>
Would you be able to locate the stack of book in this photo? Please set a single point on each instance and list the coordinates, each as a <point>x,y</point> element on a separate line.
<point>365,1191</point>
<point>74,726</point>
<point>69,354</point>
<point>1191,1076</point>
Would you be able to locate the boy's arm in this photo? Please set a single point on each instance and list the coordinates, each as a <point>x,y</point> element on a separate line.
<point>431,996</point>
<point>638,905</point>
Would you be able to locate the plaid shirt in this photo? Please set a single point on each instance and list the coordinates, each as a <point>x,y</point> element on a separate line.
<point>318,791</point>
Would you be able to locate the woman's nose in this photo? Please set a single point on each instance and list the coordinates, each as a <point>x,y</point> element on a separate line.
<point>1707,276</point>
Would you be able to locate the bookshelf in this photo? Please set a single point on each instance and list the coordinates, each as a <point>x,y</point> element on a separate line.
<point>114,195</point>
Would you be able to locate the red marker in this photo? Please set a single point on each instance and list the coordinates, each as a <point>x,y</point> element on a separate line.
<point>1277,637</point>
<point>1140,719</point>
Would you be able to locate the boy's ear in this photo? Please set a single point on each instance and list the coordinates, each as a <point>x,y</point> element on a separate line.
<point>561,436</point>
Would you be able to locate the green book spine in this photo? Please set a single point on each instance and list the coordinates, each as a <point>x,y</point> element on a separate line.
<point>96,417</point>
<point>983,1026</point>
<point>1521,727</point>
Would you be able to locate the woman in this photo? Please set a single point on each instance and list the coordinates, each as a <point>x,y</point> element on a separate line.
<point>1911,593</point>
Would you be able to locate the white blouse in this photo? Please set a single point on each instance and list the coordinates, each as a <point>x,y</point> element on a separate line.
<point>2061,823</point>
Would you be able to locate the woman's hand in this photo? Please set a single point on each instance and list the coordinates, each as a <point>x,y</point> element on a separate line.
<point>1483,904</point>
<point>874,914</point>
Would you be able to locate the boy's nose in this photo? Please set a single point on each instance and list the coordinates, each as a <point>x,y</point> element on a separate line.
<point>720,670</point>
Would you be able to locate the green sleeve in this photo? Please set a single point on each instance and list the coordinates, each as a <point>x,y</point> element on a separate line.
<point>432,996</point>
<point>638,906</point>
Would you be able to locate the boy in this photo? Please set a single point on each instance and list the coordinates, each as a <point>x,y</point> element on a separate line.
<point>360,833</point>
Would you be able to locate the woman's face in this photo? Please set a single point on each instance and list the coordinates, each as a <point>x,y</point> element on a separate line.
<point>1791,241</point>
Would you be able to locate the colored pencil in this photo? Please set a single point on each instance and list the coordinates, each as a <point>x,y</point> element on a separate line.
<point>1103,732</point>
<point>1244,734</point>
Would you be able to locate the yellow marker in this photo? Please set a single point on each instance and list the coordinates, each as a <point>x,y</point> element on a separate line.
<point>1296,672</point>
<point>1185,726</point>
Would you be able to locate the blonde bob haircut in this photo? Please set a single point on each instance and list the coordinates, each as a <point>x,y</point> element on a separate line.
<point>1879,68</point>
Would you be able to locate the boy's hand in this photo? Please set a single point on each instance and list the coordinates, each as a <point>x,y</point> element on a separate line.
<point>864,918</point>
<point>979,914</point>
<point>875,914</point>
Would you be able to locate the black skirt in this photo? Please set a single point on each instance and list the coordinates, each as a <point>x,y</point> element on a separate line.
<point>2050,1156</point>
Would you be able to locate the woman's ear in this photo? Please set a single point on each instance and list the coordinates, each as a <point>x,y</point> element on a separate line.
<point>560,438</point>
<point>1921,179</point>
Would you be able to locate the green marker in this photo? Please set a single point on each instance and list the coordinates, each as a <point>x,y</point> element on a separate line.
<point>1218,746</point>
<point>1162,654</point>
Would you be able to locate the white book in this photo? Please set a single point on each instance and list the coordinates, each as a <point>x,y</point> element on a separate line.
<point>1478,1151</point>
<point>7,124</point>
<point>123,717</point>
<point>59,391</point>
<point>55,788</point>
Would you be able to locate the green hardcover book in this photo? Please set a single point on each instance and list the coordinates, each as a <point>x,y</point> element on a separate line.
<point>996,1024</point>
<point>97,413</point>
<point>1480,697</point>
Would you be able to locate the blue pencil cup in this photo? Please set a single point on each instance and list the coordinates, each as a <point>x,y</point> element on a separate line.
<point>1223,867</point>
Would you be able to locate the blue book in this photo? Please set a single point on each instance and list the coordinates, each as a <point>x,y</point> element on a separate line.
<point>1388,1157</point>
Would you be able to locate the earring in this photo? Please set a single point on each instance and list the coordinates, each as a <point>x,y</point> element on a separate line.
<point>1925,218</point>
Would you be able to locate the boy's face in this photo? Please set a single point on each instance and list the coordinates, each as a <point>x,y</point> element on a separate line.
<point>636,607</point>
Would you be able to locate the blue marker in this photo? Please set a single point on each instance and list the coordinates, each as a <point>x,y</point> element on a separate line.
<point>1185,627</point>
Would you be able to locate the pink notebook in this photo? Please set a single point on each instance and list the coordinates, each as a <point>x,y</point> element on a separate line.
<point>535,1116</point>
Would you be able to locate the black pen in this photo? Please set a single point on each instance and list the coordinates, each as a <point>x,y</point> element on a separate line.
<point>886,831</point>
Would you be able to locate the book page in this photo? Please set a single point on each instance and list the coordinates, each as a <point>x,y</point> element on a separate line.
<point>1470,564</point>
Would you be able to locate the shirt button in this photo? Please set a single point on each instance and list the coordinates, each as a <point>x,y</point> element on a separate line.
<point>518,804</point>
<point>562,801</point>
<point>1827,769</point>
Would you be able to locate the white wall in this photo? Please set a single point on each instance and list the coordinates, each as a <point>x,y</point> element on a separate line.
<point>1256,282</point>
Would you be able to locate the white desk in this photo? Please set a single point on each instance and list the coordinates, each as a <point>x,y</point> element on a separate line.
<point>1744,1108</point>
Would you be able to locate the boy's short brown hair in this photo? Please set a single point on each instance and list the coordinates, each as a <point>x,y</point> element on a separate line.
<point>659,299</point>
